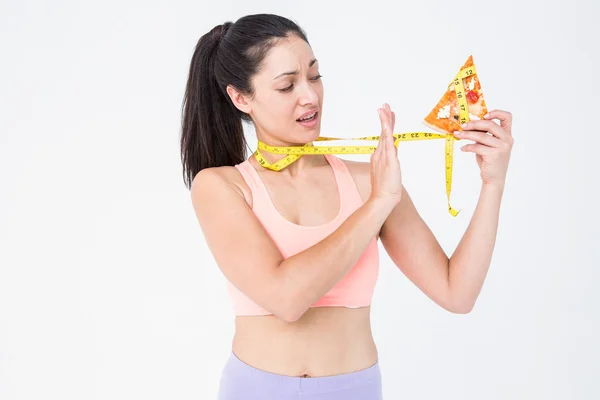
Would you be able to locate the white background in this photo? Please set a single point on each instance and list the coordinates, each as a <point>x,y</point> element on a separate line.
<point>107,289</point>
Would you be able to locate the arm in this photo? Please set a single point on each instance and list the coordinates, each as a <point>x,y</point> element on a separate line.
<point>416,252</point>
<point>492,147</point>
<point>455,283</point>
<point>285,287</point>
<point>471,260</point>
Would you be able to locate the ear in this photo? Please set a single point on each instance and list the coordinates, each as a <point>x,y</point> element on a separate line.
<point>238,99</point>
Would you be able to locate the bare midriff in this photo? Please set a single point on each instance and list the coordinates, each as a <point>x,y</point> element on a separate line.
<point>325,341</point>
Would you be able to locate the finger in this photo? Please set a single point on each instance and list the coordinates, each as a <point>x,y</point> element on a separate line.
<point>487,126</point>
<point>382,139</point>
<point>391,120</point>
<point>388,118</point>
<point>392,128</point>
<point>479,137</point>
<point>476,148</point>
<point>384,126</point>
<point>391,117</point>
<point>380,142</point>
<point>389,138</point>
<point>388,112</point>
<point>505,118</point>
<point>388,108</point>
<point>379,146</point>
<point>383,118</point>
<point>392,151</point>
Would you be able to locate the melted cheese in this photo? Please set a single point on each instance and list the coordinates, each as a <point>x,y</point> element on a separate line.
<point>444,112</point>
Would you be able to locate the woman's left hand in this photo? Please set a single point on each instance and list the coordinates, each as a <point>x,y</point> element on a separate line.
<point>493,145</point>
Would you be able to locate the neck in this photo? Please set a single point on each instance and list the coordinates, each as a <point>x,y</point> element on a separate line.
<point>295,168</point>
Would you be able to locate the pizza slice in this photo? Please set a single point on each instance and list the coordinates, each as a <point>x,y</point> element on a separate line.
<point>445,116</point>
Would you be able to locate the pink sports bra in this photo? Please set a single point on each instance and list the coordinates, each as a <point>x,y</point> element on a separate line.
<point>356,288</point>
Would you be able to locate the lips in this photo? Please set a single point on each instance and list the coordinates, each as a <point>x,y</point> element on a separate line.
<point>307,115</point>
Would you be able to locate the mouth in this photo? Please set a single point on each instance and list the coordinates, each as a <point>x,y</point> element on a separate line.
<point>309,119</point>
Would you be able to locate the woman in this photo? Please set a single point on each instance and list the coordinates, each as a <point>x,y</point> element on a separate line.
<point>299,246</point>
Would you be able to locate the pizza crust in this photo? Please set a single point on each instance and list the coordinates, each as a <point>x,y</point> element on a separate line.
<point>427,124</point>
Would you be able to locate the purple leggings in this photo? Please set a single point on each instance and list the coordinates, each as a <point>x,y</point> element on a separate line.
<point>240,381</point>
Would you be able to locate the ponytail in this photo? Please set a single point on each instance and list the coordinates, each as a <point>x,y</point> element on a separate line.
<point>212,132</point>
<point>229,54</point>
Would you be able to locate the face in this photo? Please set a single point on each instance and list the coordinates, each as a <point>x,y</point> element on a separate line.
<point>287,91</point>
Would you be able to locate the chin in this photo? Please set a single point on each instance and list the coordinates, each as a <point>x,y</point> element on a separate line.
<point>314,135</point>
<point>308,131</point>
<point>308,135</point>
<point>302,136</point>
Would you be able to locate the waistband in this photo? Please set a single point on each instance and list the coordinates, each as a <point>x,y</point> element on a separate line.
<point>241,372</point>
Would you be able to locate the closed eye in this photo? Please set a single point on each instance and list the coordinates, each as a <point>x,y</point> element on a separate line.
<point>287,89</point>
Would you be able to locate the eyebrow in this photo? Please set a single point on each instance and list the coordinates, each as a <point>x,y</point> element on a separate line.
<point>296,72</point>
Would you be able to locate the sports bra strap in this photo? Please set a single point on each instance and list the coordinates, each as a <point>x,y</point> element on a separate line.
<point>346,183</point>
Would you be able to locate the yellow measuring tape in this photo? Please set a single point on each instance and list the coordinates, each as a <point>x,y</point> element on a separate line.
<point>295,152</point>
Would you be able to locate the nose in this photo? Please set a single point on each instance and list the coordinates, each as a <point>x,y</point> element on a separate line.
<point>308,94</point>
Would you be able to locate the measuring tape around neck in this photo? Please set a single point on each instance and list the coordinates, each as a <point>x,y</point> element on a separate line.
<point>293,153</point>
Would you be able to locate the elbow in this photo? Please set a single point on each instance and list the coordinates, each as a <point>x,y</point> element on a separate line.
<point>459,301</point>
<point>290,303</point>
<point>457,305</point>
<point>461,307</point>
<point>294,311</point>
<point>290,314</point>
<point>291,309</point>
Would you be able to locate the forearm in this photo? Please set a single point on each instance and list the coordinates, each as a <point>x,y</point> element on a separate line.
<point>308,275</point>
<point>470,262</point>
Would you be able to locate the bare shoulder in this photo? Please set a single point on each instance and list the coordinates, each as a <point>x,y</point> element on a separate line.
<point>361,173</point>
<point>224,216</point>
<point>219,179</point>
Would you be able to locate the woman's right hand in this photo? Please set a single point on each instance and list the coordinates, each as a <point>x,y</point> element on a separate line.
<point>386,177</point>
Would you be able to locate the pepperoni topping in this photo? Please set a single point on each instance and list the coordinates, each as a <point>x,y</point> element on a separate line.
<point>472,96</point>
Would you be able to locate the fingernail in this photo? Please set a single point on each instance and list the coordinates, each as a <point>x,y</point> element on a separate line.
<point>457,133</point>
<point>486,116</point>
<point>464,125</point>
